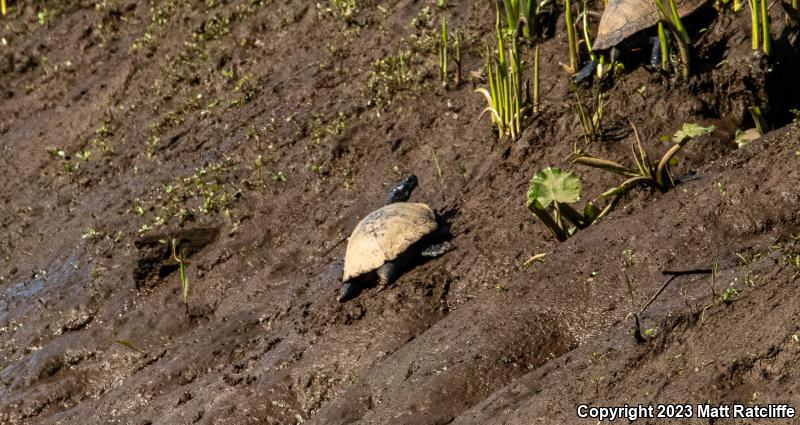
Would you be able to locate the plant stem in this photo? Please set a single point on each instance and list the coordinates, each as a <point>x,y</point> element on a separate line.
<point>570,214</point>
<point>443,53</point>
<point>766,38</point>
<point>676,20</point>
<point>573,54</point>
<point>662,40</point>
<point>587,39</point>
<point>754,30</point>
<point>530,9</point>
<point>758,119</point>
<point>549,221</point>
<point>458,58</point>
<point>512,14</point>
<point>683,38</point>
<point>536,79</point>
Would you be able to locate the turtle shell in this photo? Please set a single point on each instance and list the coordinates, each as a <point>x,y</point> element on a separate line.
<point>623,18</point>
<point>384,234</point>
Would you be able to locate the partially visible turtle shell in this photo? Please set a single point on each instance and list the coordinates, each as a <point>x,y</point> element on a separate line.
<point>384,234</point>
<point>623,18</point>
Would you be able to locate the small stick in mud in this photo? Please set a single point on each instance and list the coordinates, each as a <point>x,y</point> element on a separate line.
<point>675,274</point>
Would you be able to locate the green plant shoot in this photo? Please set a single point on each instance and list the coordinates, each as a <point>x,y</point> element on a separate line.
<point>504,96</point>
<point>457,46</point>
<point>591,125</point>
<point>760,34</point>
<point>536,79</point>
<point>672,20</point>
<point>766,39</point>
<point>758,119</point>
<point>755,33</point>
<point>571,38</point>
<point>520,13</point>
<point>662,39</point>
<point>646,172</point>
<point>443,53</point>
<point>181,272</point>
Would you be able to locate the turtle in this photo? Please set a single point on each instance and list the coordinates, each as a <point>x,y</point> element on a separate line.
<point>389,239</point>
<point>624,18</point>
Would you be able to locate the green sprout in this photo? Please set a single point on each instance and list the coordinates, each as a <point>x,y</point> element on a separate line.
<point>457,47</point>
<point>646,173</point>
<point>344,8</point>
<point>90,234</point>
<point>758,119</point>
<point>521,13</point>
<point>505,96</point>
<point>766,41</point>
<point>443,53</point>
<point>650,332</point>
<point>388,77</point>
<point>591,125</point>
<point>728,294</point>
<point>672,20</point>
<point>536,79</point>
<point>439,172</point>
<point>181,271</point>
<point>555,189</point>
<point>662,40</point>
<point>627,263</point>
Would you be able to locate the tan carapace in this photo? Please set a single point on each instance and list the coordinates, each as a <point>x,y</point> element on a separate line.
<point>623,18</point>
<point>384,234</point>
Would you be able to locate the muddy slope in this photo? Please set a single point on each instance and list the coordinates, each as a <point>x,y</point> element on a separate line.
<point>256,134</point>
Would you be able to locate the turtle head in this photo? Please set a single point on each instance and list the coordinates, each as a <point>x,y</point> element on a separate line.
<point>402,190</point>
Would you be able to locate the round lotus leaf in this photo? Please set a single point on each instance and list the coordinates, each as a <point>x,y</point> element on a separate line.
<point>554,185</point>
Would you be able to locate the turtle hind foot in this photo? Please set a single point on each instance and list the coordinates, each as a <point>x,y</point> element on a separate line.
<point>387,274</point>
<point>437,250</point>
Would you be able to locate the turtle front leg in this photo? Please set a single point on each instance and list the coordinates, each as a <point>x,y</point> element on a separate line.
<point>348,292</point>
<point>387,274</point>
<point>586,71</point>
<point>655,53</point>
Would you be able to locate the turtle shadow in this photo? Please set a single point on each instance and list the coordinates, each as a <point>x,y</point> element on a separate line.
<point>445,219</point>
<point>781,84</point>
